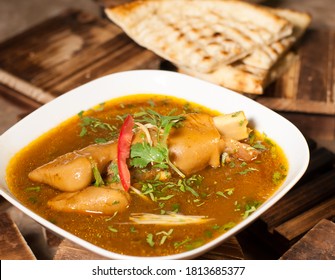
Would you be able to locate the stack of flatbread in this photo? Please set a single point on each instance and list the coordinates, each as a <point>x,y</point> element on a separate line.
<point>235,44</point>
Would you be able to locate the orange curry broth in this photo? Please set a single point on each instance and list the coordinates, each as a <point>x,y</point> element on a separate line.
<point>227,194</point>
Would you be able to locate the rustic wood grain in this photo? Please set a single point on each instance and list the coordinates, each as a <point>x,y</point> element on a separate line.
<point>24,88</point>
<point>68,250</point>
<point>316,126</point>
<point>310,201</point>
<point>317,244</point>
<point>309,84</point>
<point>4,204</point>
<point>229,250</point>
<point>74,48</point>
<point>67,51</point>
<point>300,199</point>
<point>297,226</point>
<point>12,244</point>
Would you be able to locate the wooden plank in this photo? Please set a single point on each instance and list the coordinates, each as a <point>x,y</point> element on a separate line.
<point>309,84</point>
<point>24,87</point>
<point>321,161</point>
<point>68,250</point>
<point>20,97</point>
<point>311,200</point>
<point>52,43</point>
<point>229,250</point>
<point>127,57</point>
<point>67,51</point>
<point>12,244</point>
<point>52,240</point>
<point>299,200</point>
<point>4,204</point>
<point>316,126</point>
<point>294,228</point>
<point>317,244</point>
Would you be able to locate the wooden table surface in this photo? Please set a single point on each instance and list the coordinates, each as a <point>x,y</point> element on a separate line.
<point>317,78</point>
<point>317,126</point>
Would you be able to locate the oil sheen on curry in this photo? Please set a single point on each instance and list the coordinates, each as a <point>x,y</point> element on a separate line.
<point>148,175</point>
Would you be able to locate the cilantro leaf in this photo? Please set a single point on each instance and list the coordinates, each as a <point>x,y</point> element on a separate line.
<point>142,154</point>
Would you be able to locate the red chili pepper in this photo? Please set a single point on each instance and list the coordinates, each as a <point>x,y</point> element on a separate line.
<point>123,151</point>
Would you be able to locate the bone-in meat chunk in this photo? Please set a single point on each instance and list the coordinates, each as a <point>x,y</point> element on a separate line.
<point>100,200</point>
<point>195,144</point>
<point>73,171</point>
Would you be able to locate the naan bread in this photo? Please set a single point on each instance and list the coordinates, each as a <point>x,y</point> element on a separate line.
<point>200,35</point>
<point>254,72</point>
<point>267,55</point>
<point>244,78</point>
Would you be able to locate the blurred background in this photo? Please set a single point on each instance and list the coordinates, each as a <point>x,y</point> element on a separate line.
<point>18,15</point>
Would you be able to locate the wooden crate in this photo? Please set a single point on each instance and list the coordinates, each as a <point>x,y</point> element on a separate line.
<point>303,207</point>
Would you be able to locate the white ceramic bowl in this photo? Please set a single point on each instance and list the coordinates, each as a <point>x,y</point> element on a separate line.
<point>159,82</point>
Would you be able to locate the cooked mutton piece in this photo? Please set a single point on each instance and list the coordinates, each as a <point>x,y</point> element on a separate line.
<point>74,171</point>
<point>198,142</point>
<point>98,200</point>
<point>232,126</point>
<point>201,141</point>
<point>195,144</point>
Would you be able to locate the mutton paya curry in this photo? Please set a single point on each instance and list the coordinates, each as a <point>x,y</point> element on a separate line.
<point>148,175</point>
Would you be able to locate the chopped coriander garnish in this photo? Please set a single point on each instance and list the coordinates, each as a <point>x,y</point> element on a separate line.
<point>113,173</point>
<point>245,171</point>
<point>97,176</point>
<point>181,243</point>
<point>277,177</point>
<point>142,154</point>
<point>33,199</point>
<point>208,233</point>
<point>224,227</point>
<point>220,193</point>
<point>232,164</point>
<point>176,207</point>
<point>230,191</point>
<point>250,207</point>
<point>225,192</point>
<point>34,189</point>
<point>234,115</point>
<point>259,146</point>
<point>92,124</point>
<point>100,140</point>
<point>100,107</point>
<point>133,229</point>
<point>151,103</point>
<point>166,197</point>
<point>156,189</point>
<point>194,244</point>
<point>150,240</point>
